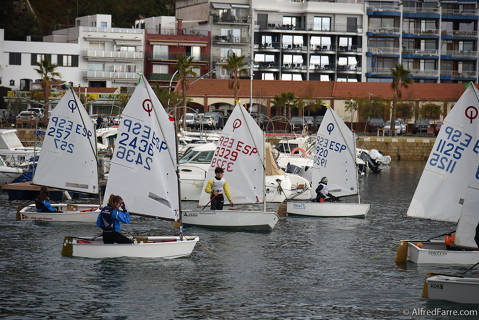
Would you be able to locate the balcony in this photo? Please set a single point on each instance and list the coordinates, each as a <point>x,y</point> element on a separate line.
<point>384,30</point>
<point>173,57</point>
<point>319,48</point>
<point>267,66</point>
<point>380,71</point>
<point>459,33</point>
<point>420,52</point>
<point>230,19</point>
<point>113,55</point>
<point>422,32</point>
<point>423,73</point>
<point>161,76</point>
<point>352,49</point>
<point>348,68</point>
<point>294,47</point>
<point>227,40</point>
<point>322,68</point>
<point>294,67</point>
<point>384,51</point>
<point>268,46</point>
<point>109,75</point>
<point>112,30</point>
<point>459,75</point>
<point>460,53</point>
<point>457,12</point>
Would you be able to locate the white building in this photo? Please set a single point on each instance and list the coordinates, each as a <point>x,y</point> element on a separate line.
<point>18,58</point>
<point>109,57</point>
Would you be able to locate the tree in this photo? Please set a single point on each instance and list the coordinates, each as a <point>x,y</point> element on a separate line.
<point>235,66</point>
<point>430,111</point>
<point>184,65</point>
<point>278,102</point>
<point>48,74</point>
<point>400,79</point>
<point>404,110</point>
<point>352,106</point>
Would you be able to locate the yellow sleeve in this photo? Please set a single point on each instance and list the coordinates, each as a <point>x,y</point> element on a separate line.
<point>209,186</point>
<point>227,191</point>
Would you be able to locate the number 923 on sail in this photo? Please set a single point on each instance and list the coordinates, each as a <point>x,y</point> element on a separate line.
<point>137,144</point>
<point>61,129</point>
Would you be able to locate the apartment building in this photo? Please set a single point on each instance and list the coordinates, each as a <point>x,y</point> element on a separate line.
<point>165,40</point>
<point>229,24</point>
<point>436,40</point>
<point>18,61</point>
<point>109,57</point>
<point>309,40</point>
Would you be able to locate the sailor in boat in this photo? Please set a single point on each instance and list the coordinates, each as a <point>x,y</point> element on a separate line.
<point>216,187</point>
<point>322,193</point>
<point>42,202</point>
<point>109,220</point>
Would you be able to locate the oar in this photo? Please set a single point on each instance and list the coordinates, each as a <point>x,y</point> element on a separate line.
<point>209,202</point>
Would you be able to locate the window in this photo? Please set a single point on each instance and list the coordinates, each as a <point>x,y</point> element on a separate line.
<point>322,23</point>
<point>96,67</point>
<point>130,68</point>
<point>97,45</point>
<point>290,22</point>
<point>15,58</point>
<point>345,42</point>
<point>267,41</point>
<point>67,61</point>
<point>160,68</point>
<point>196,52</point>
<point>321,43</point>
<point>225,52</point>
<point>291,76</point>
<point>321,62</point>
<point>12,82</point>
<point>160,52</point>
<point>127,48</point>
<point>267,76</point>
<point>103,25</point>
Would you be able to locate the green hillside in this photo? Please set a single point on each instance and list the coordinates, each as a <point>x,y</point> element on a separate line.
<point>37,18</point>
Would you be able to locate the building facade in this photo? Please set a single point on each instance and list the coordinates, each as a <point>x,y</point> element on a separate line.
<point>165,40</point>
<point>436,40</point>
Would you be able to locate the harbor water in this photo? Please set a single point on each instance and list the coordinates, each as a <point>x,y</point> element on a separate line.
<point>307,268</point>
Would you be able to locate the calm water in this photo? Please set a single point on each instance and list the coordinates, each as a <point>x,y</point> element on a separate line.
<point>307,268</point>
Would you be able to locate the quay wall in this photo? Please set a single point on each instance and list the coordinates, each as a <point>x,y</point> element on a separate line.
<point>399,148</point>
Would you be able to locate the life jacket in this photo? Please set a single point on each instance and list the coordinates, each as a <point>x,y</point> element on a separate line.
<point>107,220</point>
<point>449,240</point>
<point>41,207</point>
<point>218,185</point>
<point>322,190</point>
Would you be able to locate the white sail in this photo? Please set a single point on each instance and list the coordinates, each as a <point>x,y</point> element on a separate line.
<point>143,165</point>
<point>466,228</point>
<point>240,152</point>
<point>451,165</point>
<point>67,159</point>
<point>335,156</point>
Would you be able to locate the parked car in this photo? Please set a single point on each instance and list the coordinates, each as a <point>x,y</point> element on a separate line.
<point>309,121</point>
<point>190,119</point>
<point>27,116</point>
<point>38,111</point>
<point>375,123</point>
<point>399,127</point>
<point>296,123</point>
<point>318,120</point>
<point>437,127</point>
<point>420,125</point>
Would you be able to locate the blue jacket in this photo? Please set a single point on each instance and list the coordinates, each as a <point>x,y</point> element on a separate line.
<point>44,206</point>
<point>109,219</point>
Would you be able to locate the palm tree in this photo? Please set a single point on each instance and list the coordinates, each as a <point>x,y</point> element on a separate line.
<point>351,105</point>
<point>184,65</point>
<point>400,79</point>
<point>48,74</point>
<point>279,102</point>
<point>235,66</point>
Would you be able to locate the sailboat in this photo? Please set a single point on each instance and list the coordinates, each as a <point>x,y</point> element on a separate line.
<point>143,171</point>
<point>67,161</point>
<point>335,158</point>
<point>240,152</point>
<point>449,188</point>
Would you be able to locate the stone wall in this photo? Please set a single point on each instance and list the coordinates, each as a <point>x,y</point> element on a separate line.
<point>399,148</point>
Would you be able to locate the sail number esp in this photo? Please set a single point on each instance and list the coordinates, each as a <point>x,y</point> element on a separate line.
<point>138,143</point>
<point>61,129</point>
<point>450,148</point>
<point>323,147</point>
<point>227,152</point>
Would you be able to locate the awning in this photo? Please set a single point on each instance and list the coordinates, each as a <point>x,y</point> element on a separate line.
<point>132,42</point>
<point>244,6</point>
<point>217,5</point>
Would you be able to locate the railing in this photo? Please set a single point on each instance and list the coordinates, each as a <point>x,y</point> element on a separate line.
<point>459,33</point>
<point>293,66</point>
<point>317,67</point>
<point>457,74</point>
<point>297,47</point>
<point>114,54</point>
<point>230,19</point>
<point>380,70</point>
<point>386,30</point>
<point>133,76</point>
<point>266,65</point>
<point>230,39</point>
<point>457,53</point>
<point>266,46</point>
<point>174,32</point>
<point>419,31</point>
<point>161,76</point>
<point>319,48</point>
<point>419,72</point>
<point>421,52</point>
<point>386,50</point>
<point>334,28</point>
<point>349,49</point>
<point>346,68</point>
<point>112,30</point>
<point>152,56</point>
<point>457,12</point>
<point>421,10</point>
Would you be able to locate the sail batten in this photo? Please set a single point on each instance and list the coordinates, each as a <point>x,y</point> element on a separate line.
<point>143,171</point>
<point>240,152</point>
<point>334,157</point>
<point>68,159</point>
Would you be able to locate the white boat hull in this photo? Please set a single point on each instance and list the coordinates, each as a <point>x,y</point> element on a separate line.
<point>166,247</point>
<point>327,209</point>
<point>86,213</point>
<point>454,289</point>
<point>8,174</point>
<point>435,252</point>
<point>232,219</point>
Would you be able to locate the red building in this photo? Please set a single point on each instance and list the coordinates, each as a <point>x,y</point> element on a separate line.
<point>163,46</point>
